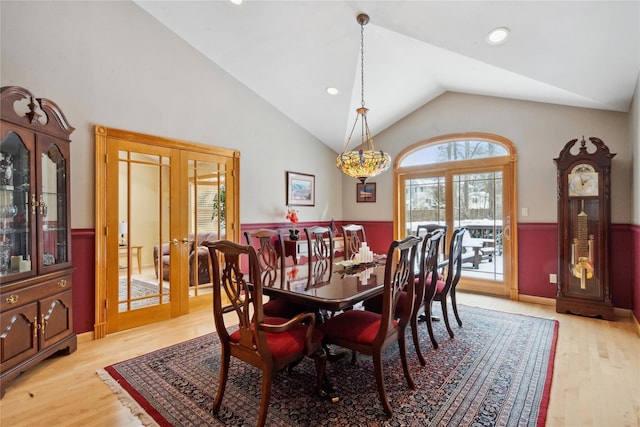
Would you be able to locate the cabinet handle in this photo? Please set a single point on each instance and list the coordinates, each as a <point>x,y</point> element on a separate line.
<point>34,203</point>
<point>43,323</point>
<point>36,326</point>
<point>62,283</point>
<point>12,299</point>
<point>174,242</point>
<point>42,206</point>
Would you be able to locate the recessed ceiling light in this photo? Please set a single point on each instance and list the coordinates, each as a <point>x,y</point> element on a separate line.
<point>332,90</point>
<point>498,35</point>
<point>236,1</point>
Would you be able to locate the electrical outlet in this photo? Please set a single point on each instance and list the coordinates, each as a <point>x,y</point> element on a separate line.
<point>553,278</point>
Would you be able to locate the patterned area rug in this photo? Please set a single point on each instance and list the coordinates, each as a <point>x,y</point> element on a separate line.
<point>496,372</point>
<point>142,294</point>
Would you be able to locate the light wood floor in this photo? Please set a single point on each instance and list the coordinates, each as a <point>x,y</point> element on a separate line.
<point>596,379</point>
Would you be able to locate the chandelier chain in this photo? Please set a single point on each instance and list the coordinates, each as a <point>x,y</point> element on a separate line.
<point>362,64</point>
<point>365,162</point>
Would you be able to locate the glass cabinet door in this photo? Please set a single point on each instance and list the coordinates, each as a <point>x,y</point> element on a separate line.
<point>16,239</point>
<point>52,206</point>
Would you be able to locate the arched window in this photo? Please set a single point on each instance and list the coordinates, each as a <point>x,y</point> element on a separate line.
<point>464,180</point>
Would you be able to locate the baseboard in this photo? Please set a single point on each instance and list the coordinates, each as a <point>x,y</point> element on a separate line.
<point>620,312</point>
<point>636,323</point>
<point>85,337</point>
<point>536,300</point>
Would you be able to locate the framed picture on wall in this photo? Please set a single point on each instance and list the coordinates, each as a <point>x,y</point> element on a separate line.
<point>366,192</point>
<point>301,189</point>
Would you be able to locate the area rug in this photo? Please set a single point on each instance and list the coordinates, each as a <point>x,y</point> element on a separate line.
<point>142,294</point>
<point>496,372</point>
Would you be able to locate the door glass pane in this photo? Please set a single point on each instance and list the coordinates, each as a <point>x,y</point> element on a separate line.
<point>207,214</point>
<point>15,239</point>
<point>53,206</point>
<point>143,230</point>
<point>424,202</point>
<point>478,207</point>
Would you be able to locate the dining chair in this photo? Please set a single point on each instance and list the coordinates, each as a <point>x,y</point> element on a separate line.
<point>268,343</point>
<point>354,236</point>
<point>321,253</point>
<point>269,248</point>
<point>426,285</point>
<point>425,282</point>
<point>371,333</point>
<point>447,287</point>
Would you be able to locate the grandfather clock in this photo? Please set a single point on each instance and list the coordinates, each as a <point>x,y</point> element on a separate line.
<point>584,216</point>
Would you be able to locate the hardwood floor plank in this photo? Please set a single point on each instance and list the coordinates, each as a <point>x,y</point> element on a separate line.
<point>596,379</point>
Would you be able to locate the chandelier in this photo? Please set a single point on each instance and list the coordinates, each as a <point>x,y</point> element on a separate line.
<point>367,161</point>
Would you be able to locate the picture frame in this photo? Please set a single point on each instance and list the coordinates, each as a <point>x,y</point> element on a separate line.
<point>366,193</point>
<point>301,189</point>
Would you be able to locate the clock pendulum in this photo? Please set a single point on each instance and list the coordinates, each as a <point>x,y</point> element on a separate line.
<point>582,250</point>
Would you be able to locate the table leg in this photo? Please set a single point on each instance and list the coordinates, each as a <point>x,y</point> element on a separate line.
<point>477,257</point>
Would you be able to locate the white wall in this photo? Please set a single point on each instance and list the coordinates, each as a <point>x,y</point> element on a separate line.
<point>539,131</point>
<point>110,63</point>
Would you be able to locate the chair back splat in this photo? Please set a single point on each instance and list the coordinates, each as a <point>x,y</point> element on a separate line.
<point>423,229</point>
<point>354,236</point>
<point>371,333</point>
<point>321,253</point>
<point>268,343</point>
<point>269,248</point>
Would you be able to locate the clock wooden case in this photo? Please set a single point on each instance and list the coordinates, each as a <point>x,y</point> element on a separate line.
<point>584,217</point>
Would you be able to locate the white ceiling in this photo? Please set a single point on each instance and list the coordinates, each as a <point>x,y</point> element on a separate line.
<point>577,53</point>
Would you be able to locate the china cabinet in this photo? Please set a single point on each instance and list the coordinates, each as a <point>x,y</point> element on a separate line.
<point>35,234</point>
<point>584,217</point>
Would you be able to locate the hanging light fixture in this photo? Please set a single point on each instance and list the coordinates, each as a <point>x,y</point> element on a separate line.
<point>367,161</point>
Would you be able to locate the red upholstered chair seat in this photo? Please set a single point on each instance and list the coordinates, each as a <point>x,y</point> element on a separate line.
<point>285,343</point>
<point>359,326</point>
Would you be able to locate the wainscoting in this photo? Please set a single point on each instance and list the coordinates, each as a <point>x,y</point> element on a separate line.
<point>537,250</point>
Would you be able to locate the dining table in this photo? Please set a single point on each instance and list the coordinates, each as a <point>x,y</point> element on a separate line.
<point>340,286</point>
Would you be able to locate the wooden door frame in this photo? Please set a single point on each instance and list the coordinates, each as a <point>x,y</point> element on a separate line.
<point>102,136</point>
<point>507,164</point>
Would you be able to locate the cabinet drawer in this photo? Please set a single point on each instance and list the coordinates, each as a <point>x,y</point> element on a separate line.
<point>34,292</point>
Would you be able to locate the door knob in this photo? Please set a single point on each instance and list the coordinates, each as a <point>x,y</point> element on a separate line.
<point>174,242</point>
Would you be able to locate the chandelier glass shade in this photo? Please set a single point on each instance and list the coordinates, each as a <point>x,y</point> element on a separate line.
<point>366,162</point>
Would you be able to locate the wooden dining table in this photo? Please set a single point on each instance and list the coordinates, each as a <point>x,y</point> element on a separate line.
<point>338,289</point>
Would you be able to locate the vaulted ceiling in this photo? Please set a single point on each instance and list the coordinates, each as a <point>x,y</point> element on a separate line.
<point>577,53</point>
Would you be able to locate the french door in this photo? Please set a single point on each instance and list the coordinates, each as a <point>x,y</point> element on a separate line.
<point>162,199</point>
<point>207,198</point>
<point>478,194</point>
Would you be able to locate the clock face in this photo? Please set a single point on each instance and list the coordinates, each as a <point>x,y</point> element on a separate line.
<point>583,181</point>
